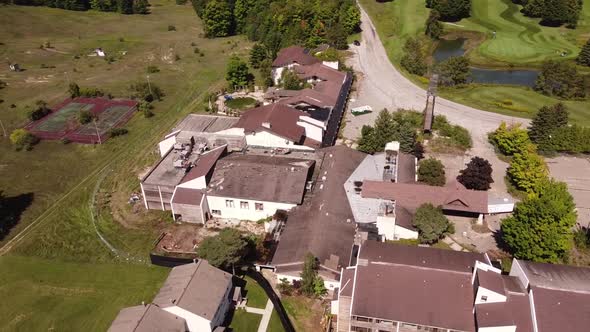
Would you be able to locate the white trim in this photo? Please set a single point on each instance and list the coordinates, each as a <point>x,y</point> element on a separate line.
<point>144,198</point>
<point>172,205</point>
<point>533,311</point>
<point>174,133</point>
<point>162,199</point>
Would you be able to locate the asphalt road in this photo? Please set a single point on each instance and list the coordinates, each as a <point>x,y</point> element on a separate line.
<point>381,85</point>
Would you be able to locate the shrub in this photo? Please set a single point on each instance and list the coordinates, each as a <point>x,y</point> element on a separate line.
<point>581,237</point>
<point>510,140</point>
<point>39,112</point>
<point>413,59</point>
<point>114,132</point>
<point>432,172</point>
<point>152,69</point>
<point>22,139</point>
<point>146,91</point>
<point>85,116</point>
<point>171,28</point>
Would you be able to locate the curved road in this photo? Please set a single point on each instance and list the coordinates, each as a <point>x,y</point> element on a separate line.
<point>381,85</point>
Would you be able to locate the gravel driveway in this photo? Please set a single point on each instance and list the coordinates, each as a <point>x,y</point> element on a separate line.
<point>380,86</point>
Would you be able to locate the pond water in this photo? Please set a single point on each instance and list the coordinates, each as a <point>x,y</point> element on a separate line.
<point>450,48</point>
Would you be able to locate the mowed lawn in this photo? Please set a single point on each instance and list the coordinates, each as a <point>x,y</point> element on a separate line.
<point>59,275</point>
<point>42,295</point>
<point>520,41</point>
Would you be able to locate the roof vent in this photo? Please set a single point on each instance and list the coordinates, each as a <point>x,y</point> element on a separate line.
<point>266,125</point>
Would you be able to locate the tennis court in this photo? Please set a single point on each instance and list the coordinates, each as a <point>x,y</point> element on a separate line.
<point>63,121</point>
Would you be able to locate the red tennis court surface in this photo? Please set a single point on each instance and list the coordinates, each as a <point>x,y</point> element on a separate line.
<point>62,122</point>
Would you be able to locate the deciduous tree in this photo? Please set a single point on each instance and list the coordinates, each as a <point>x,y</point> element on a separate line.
<point>238,75</point>
<point>477,175</point>
<point>217,18</point>
<point>527,171</point>
<point>431,223</point>
<point>453,71</point>
<point>540,228</point>
<point>510,139</point>
<point>22,139</point>
<point>225,249</point>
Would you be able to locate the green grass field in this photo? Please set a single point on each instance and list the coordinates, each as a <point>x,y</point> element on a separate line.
<point>241,103</point>
<point>63,178</point>
<point>60,296</point>
<point>256,295</point>
<point>519,41</point>
<point>243,321</point>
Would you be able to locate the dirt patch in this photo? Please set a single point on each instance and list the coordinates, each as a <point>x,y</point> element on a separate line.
<point>183,238</point>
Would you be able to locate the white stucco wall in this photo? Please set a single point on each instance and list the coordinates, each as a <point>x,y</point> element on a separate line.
<point>313,129</point>
<point>198,183</point>
<point>166,145</point>
<point>195,323</point>
<point>390,231</point>
<point>517,271</point>
<point>492,297</point>
<point>269,208</point>
<point>501,208</point>
<point>266,139</point>
<point>497,329</point>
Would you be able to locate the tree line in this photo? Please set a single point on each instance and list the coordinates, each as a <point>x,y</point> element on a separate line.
<point>553,12</point>
<point>120,6</point>
<point>281,23</point>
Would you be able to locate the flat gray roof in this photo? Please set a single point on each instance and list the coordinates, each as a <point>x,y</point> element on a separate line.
<point>260,178</point>
<point>164,173</point>
<point>202,123</point>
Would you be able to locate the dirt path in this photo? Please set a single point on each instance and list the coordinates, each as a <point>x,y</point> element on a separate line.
<point>381,85</point>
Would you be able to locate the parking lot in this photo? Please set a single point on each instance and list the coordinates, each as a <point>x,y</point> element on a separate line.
<point>575,171</point>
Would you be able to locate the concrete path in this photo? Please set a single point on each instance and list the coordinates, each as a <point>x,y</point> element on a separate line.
<point>381,85</point>
<point>266,313</point>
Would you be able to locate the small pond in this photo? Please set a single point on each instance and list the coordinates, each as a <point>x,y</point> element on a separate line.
<point>450,48</point>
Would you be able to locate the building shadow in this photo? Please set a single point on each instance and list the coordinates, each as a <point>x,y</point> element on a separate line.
<point>11,210</point>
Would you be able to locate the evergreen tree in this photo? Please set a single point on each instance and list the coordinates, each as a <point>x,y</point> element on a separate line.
<point>413,59</point>
<point>560,79</point>
<point>432,172</point>
<point>141,7</point>
<point>477,175</point>
<point>547,120</point>
<point>125,6</point>
<point>217,18</point>
<point>540,228</point>
<point>584,56</point>
<point>434,29</point>
<point>257,55</point>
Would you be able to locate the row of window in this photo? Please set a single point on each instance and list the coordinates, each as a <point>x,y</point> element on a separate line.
<point>244,205</point>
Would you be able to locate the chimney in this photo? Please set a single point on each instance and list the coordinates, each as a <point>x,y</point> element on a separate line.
<point>266,125</point>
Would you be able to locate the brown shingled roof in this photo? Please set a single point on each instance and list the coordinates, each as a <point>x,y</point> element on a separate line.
<point>405,293</point>
<point>411,196</point>
<point>431,258</point>
<point>324,225</point>
<point>294,54</point>
<point>563,311</point>
<point>282,120</point>
<point>187,196</point>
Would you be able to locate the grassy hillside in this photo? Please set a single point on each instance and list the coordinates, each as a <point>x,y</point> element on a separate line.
<point>59,275</point>
<point>520,41</point>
